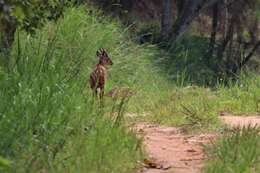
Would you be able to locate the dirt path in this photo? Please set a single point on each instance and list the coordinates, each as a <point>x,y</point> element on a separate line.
<point>171,151</point>
<point>241,120</point>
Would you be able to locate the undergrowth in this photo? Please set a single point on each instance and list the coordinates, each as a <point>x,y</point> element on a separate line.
<point>238,151</point>
<point>49,121</point>
<point>193,97</point>
<point>196,107</point>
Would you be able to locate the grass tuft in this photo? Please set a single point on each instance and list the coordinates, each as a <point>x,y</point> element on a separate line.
<point>237,152</point>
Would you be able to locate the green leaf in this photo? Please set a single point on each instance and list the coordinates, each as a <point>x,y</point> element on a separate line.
<point>4,163</point>
<point>18,13</point>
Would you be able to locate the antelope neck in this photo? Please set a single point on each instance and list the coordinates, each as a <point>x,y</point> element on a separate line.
<point>101,65</point>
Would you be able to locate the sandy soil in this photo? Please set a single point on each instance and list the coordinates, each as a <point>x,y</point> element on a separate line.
<point>241,121</point>
<point>171,151</point>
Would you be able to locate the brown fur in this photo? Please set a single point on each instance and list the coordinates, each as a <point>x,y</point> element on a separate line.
<point>99,74</point>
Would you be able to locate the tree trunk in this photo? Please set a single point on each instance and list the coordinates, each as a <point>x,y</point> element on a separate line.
<point>213,34</point>
<point>7,37</point>
<point>191,10</point>
<point>167,19</point>
<point>127,4</point>
<point>247,58</point>
<point>180,6</point>
<point>222,48</point>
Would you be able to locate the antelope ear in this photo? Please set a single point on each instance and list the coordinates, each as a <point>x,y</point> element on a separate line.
<point>104,52</point>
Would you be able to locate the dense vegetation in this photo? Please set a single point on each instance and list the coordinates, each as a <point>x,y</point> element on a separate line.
<point>229,28</point>
<point>50,122</point>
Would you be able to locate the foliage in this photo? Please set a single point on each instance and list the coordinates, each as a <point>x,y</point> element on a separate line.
<point>48,118</point>
<point>30,14</point>
<point>4,164</point>
<point>49,121</point>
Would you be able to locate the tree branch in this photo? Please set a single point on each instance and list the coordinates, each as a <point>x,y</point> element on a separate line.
<point>249,56</point>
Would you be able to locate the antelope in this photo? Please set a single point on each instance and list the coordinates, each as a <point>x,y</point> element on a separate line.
<point>99,75</point>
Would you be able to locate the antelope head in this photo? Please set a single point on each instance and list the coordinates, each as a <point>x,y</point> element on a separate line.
<point>103,57</point>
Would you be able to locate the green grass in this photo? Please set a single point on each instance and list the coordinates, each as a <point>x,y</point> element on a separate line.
<point>191,108</point>
<point>190,95</point>
<point>196,107</point>
<point>237,151</point>
<point>49,121</point>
